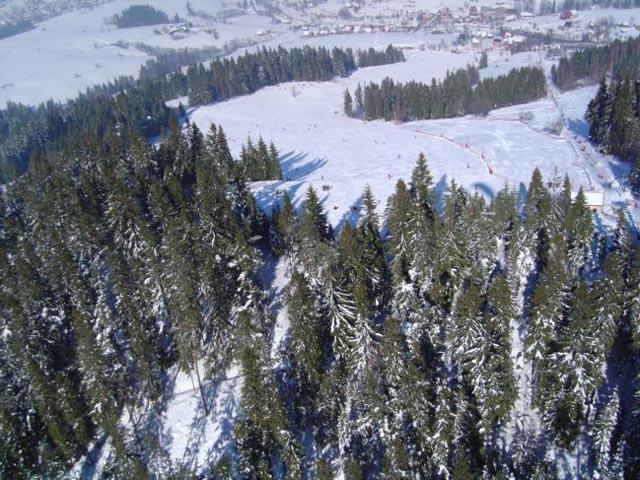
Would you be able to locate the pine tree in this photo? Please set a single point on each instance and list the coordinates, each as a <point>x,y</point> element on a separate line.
<point>274,161</point>
<point>609,301</point>
<point>406,433</point>
<point>598,114</point>
<point>621,114</point>
<point>323,470</point>
<point>338,303</point>
<point>314,234</point>
<point>285,225</point>
<point>422,186</point>
<point>602,438</point>
<point>466,327</point>
<point>537,213</point>
<point>400,231</point>
<point>579,227</point>
<point>308,336</point>
<point>453,260</point>
<point>371,252</point>
<point>493,379</point>
<point>262,434</point>
<point>442,435</point>
<point>359,111</point>
<point>313,223</point>
<point>364,342</point>
<point>548,303</point>
<point>573,373</point>
<point>348,103</point>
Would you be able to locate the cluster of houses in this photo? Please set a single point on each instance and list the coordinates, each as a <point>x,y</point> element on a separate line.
<point>38,10</point>
<point>571,26</point>
<point>486,19</point>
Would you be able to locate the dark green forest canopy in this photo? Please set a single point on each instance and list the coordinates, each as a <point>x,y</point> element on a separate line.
<point>621,59</point>
<point>460,93</point>
<point>129,262</point>
<point>138,16</point>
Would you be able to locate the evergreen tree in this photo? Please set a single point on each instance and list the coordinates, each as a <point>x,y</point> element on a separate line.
<point>598,115</point>
<point>400,230</point>
<point>372,259</point>
<point>285,226</point>
<point>262,435</point>
<point>308,336</point>
<point>548,303</point>
<point>603,438</point>
<point>348,104</point>
<point>359,101</point>
<point>579,227</point>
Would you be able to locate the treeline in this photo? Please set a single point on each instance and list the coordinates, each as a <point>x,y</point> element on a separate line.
<point>26,133</point>
<point>373,57</point>
<point>589,65</point>
<point>460,93</point>
<point>140,15</point>
<point>116,265</point>
<point>229,77</point>
<point>126,105</point>
<point>614,123</point>
<point>167,60</point>
<point>10,29</point>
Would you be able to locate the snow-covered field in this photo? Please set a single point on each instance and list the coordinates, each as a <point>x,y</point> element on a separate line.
<point>338,155</point>
<point>68,53</point>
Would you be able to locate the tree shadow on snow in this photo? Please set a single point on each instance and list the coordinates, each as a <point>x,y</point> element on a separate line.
<point>352,215</point>
<point>441,188</point>
<point>294,166</point>
<point>223,412</point>
<point>522,196</point>
<point>579,127</point>
<point>220,410</point>
<point>89,466</point>
<point>620,170</point>
<point>271,195</point>
<point>485,190</point>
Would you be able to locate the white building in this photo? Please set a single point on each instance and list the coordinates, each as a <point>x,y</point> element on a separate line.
<point>595,200</point>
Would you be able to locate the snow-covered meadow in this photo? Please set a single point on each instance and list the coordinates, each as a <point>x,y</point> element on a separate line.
<point>338,155</point>
<point>69,53</point>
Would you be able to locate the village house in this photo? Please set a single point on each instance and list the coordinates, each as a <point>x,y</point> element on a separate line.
<point>595,200</point>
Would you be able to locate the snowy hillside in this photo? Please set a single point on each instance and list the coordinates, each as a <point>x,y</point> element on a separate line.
<point>155,323</point>
<point>66,54</point>
<point>324,148</point>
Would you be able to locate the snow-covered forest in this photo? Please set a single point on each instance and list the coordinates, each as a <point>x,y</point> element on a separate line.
<point>296,240</point>
<point>450,338</point>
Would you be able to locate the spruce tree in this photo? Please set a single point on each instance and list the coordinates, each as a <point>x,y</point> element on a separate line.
<point>603,438</point>
<point>548,303</point>
<point>308,336</point>
<point>579,227</point>
<point>348,103</point>
<point>371,252</point>
<point>598,114</point>
<point>285,225</point>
